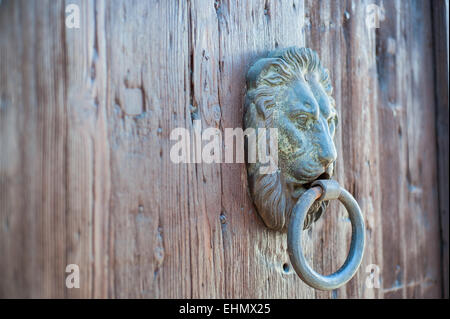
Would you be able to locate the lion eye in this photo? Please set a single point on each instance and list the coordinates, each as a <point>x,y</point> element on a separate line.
<point>302,119</point>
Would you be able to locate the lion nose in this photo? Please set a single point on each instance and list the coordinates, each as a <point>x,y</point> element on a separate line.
<point>327,155</point>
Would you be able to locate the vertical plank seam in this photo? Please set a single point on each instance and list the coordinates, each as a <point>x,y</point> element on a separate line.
<point>219,71</point>
<point>66,139</point>
<point>440,193</point>
<point>191,104</point>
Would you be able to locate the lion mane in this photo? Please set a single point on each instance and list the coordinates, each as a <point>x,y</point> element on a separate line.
<point>271,194</point>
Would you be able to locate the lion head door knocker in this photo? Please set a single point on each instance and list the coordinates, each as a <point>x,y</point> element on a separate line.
<point>290,90</point>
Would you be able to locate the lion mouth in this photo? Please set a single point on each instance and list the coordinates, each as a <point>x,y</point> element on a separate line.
<point>324,175</point>
<point>300,188</point>
<point>317,209</point>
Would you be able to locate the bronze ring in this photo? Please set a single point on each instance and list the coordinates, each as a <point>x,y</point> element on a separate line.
<point>326,190</point>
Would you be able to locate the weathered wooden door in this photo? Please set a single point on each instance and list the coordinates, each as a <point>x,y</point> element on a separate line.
<point>85,173</point>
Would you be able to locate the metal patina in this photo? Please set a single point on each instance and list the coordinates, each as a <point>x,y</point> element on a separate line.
<point>290,90</point>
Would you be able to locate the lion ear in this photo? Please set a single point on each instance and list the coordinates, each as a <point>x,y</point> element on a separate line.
<point>257,73</point>
<point>258,69</point>
<point>257,109</point>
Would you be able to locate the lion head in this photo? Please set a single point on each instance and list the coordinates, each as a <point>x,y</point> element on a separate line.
<point>290,90</point>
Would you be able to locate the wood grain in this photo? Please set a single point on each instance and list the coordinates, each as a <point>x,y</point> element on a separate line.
<point>85,171</point>
<point>408,156</point>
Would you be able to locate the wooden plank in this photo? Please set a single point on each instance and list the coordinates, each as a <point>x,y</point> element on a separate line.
<point>150,245</point>
<point>407,157</point>
<point>205,180</point>
<point>392,152</point>
<point>33,139</point>
<point>440,32</point>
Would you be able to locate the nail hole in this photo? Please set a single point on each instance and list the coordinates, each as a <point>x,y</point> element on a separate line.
<point>223,218</point>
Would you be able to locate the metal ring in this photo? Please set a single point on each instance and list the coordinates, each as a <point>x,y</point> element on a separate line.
<point>354,258</point>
